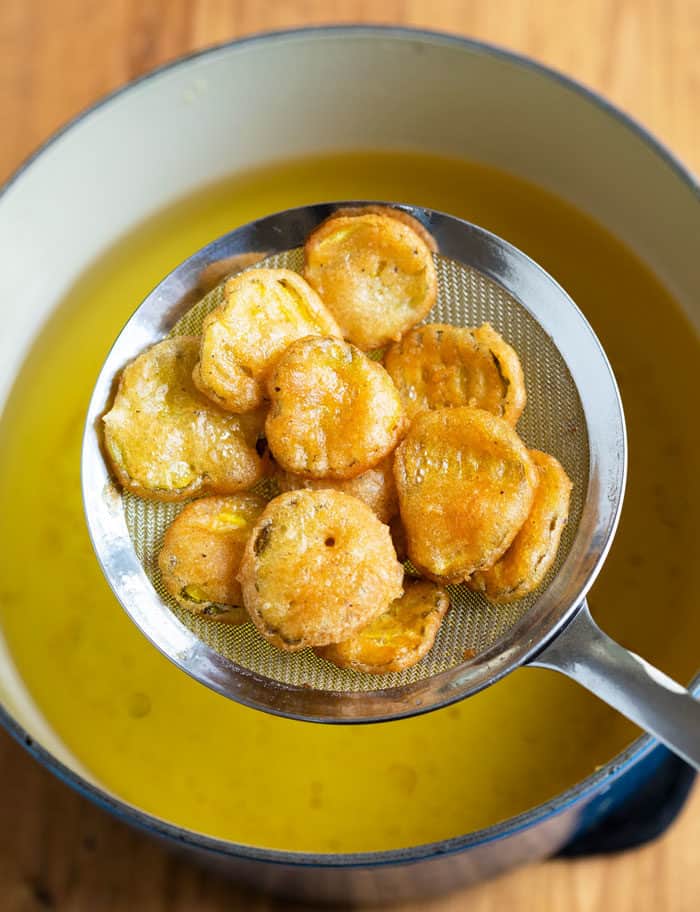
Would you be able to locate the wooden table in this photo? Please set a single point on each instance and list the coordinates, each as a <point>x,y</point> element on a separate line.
<point>57,851</point>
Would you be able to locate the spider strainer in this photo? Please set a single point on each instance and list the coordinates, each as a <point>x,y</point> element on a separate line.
<point>573,411</point>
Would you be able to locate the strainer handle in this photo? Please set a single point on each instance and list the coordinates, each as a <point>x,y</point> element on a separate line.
<point>626,682</point>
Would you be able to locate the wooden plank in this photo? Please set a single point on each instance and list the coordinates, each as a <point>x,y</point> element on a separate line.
<point>59,852</point>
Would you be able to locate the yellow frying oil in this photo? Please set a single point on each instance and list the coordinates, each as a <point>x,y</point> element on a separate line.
<point>167,744</point>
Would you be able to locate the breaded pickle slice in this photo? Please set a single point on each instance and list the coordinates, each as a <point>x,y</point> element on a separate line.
<point>397,639</point>
<point>375,487</point>
<point>525,564</point>
<point>166,441</point>
<point>439,365</point>
<point>374,273</point>
<point>391,212</point>
<point>318,566</point>
<point>202,552</point>
<point>334,412</point>
<point>466,484</point>
<point>263,311</point>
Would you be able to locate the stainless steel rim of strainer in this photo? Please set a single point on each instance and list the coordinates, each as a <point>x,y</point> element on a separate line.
<point>563,599</point>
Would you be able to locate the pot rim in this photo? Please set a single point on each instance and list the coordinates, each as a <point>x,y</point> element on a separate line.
<point>608,773</point>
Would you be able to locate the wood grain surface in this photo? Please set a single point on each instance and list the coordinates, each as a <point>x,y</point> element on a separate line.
<point>57,851</point>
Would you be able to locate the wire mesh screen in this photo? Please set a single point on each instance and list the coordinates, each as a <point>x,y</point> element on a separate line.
<point>553,421</point>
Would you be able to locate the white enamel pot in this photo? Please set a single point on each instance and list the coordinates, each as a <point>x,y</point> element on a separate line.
<point>304,92</point>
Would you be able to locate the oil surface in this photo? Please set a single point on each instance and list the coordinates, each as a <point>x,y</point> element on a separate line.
<point>164,742</point>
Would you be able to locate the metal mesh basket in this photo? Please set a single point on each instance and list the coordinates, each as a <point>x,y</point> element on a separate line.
<point>553,421</point>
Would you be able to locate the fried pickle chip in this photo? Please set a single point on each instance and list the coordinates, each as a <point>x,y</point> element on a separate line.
<point>397,639</point>
<point>166,441</point>
<point>334,412</point>
<point>202,552</point>
<point>439,365</point>
<point>318,566</point>
<point>263,311</point>
<point>525,564</point>
<point>374,273</point>
<point>375,487</point>
<point>466,484</point>
<point>394,213</point>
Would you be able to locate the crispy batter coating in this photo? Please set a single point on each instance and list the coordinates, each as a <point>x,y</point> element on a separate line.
<point>202,552</point>
<point>397,639</point>
<point>375,274</point>
<point>525,564</point>
<point>466,485</point>
<point>375,487</point>
<point>334,412</point>
<point>318,566</point>
<point>166,441</point>
<point>263,311</point>
<point>439,365</point>
<point>395,213</point>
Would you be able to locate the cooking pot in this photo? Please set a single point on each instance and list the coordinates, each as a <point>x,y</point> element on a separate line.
<point>291,94</point>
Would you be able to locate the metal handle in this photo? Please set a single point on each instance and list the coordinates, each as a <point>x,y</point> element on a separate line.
<point>626,682</point>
